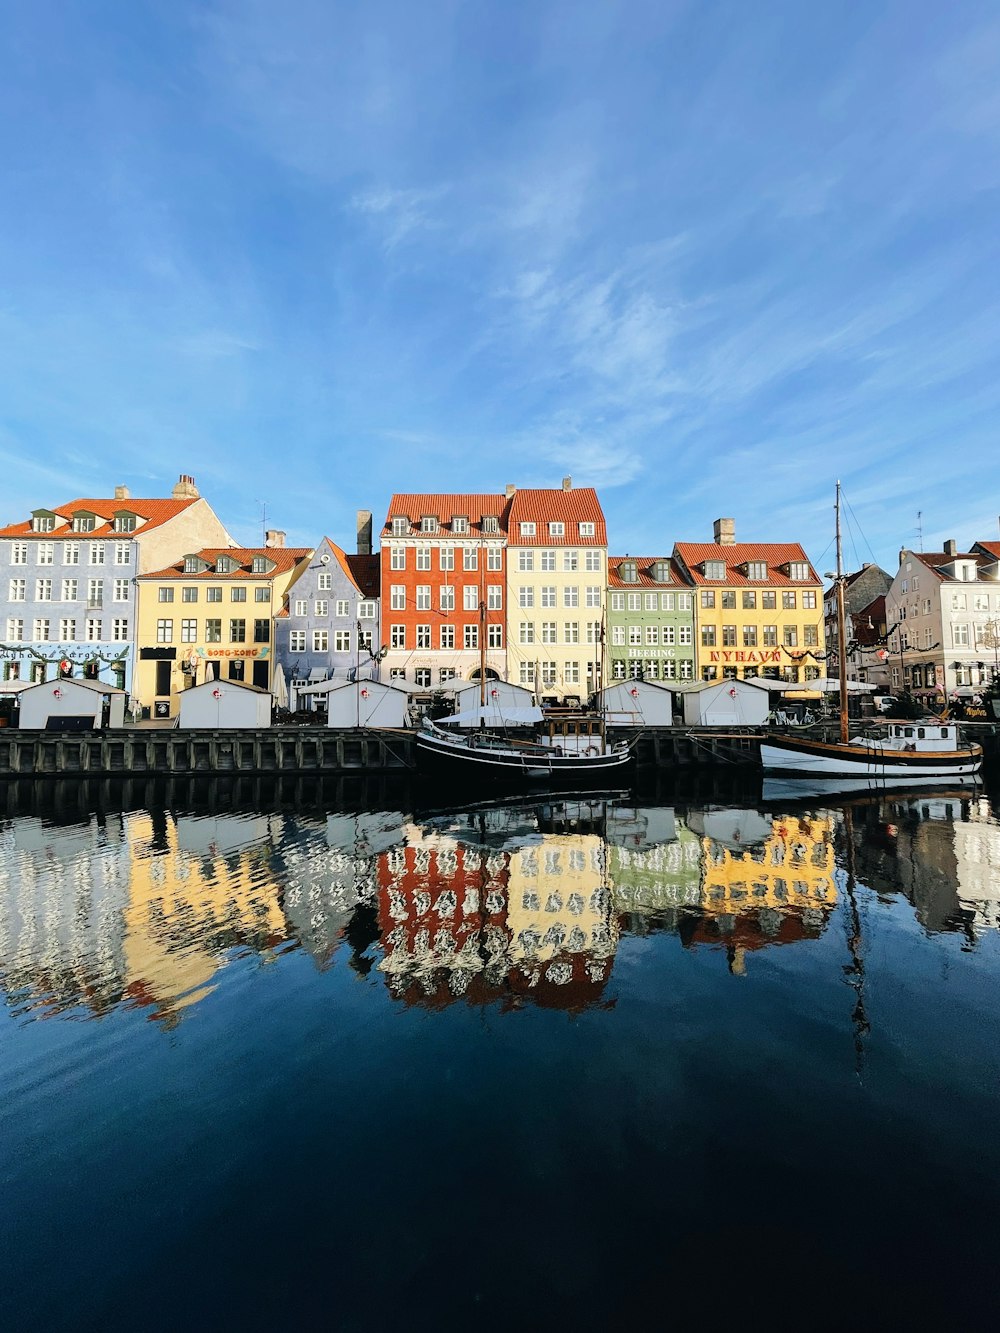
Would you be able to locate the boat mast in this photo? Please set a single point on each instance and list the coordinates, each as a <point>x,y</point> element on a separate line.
<point>841,631</point>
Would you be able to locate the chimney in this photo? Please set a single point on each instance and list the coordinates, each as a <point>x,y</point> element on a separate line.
<point>185,488</point>
<point>274,537</point>
<point>567,483</point>
<point>511,488</point>
<point>902,552</point>
<point>724,531</point>
<point>364,532</point>
<point>951,547</point>
<point>121,493</point>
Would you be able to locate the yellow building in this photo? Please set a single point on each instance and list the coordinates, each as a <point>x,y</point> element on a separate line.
<point>557,559</point>
<point>211,615</point>
<point>758,608</point>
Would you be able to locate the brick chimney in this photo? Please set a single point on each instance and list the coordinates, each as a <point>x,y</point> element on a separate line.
<point>567,483</point>
<point>724,531</point>
<point>951,547</point>
<point>511,488</point>
<point>274,537</point>
<point>121,493</point>
<point>364,532</point>
<point>185,488</point>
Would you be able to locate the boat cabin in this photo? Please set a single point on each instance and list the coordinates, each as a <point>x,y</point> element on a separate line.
<point>578,734</point>
<point>923,736</point>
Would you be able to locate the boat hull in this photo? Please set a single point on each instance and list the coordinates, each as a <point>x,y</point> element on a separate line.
<point>445,756</point>
<point>810,758</point>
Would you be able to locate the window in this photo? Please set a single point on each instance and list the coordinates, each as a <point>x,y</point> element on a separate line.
<point>95,553</point>
<point>19,553</point>
<point>397,597</point>
<point>400,525</point>
<point>593,595</point>
<point>798,572</point>
<point>428,523</point>
<point>571,560</point>
<point>447,597</point>
<point>788,600</point>
<point>635,635</point>
<point>548,595</point>
<point>71,553</point>
<point>959,601</point>
<point>67,630</point>
<point>587,530</point>
<point>397,557</point>
<point>708,636</point>
<point>571,673</point>
<point>770,636</point>
<point>769,600</point>
<point>548,562</point>
<point>525,560</point>
<point>324,582</point>
<point>651,670</point>
<point>526,674</point>
<point>213,631</point>
<point>237,631</point>
<point>320,640</point>
<point>422,677</point>
<point>526,596</point>
<point>960,636</point>
<point>18,590</point>
<point>557,529</point>
<point>470,597</point>
<point>423,596</point>
<point>189,594</point>
<point>757,571</point>
<point>592,561</point>
<point>423,557</point>
<point>707,598</point>
<point>237,594</point>
<point>120,592</point>
<point>342,640</point>
<point>40,630</point>
<point>397,636</point>
<point>119,629</point>
<point>494,558</point>
<point>472,636</point>
<point>300,607</point>
<point>628,571</point>
<point>164,594</point>
<point>491,523</point>
<point>44,523</point>
<point>715,569</point>
<point>729,636</point>
<point>749,601</point>
<point>43,590</point>
<point>571,631</point>
<point>15,629</point>
<point>571,596</point>
<point>790,636</point>
<point>617,635</point>
<point>810,636</point>
<point>687,669</point>
<point>652,600</point>
<point>652,636</point>
<point>618,601</point>
<point>95,630</point>
<point>297,641</point>
<point>262,631</point>
<point>397,673</point>
<point>262,594</point>
<point>260,564</point>
<point>669,635</point>
<point>123,553</point>
<point>46,553</point>
<point>549,673</point>
<point>618,669</point>
<point>670,670</point>
<point>95,592</point>
<point>526,632</point>
<point>685,635</point>
<point>459,523</point>
<point>749,636</point>
<point>447,636</point>
<point>809,600</point>
<point>164,631</point>
<point>445,674</point>
<point>69,590</point>
<point>666,601</point>
<point>366,611</point>
<point>423,636</point>
<point>494,636</point>
<point>365,639</point>
<point>494,598</point>
<point>527,529</point>
<point>728,602</point>
<point>470,557</point>
<point>549,631</point>
<point>446,558</point>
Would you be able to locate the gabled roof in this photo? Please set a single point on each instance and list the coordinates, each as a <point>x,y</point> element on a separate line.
<point>366,573</point>
<point>155,512</point>
<point>875,612</point>
<point>542,507</point>
<point>936,561</point>
<point>285,558</point>
<point>773,554</point>
<point>989,548</point>
<point>444,508</point>
<point>644,572</point>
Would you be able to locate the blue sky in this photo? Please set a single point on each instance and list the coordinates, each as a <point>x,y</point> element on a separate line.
<point>704,256</point>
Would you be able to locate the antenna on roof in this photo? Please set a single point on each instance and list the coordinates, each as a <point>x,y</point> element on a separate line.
<point>920,529</point>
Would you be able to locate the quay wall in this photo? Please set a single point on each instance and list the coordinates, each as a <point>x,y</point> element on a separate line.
<point>330,751</point>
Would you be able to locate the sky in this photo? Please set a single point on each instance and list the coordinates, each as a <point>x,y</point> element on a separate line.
<point>707,257</point>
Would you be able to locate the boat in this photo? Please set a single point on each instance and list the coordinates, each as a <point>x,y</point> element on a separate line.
<point>902,753</point>
<point>521,744</point>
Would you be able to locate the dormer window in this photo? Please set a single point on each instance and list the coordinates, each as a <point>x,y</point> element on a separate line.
<point>125,522</point>
<point>224,565</point>
<point>261,565</point>
<point>557,529</point>
<point>628,572</point>
<point>757,571</point>
<point>400,525</point>
<point>715,570</point>
<point>491,523</point>
<point>193,564</point>
<point>459,523</point>
<point>84,522</point>
<point>587,529</point>
<point>798,572</point>
<point>661,571</point>
<point>43,523</point>
<point>429,523</point>
<point>527,529</point>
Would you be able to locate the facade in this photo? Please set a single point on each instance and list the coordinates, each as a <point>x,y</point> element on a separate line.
<point>329,626</point>
<point>943,610</point>
<point>557,557</point>
<point>68,580</point>
<point>758,608</point>
<point>210,615</point>
<point>864,603</point>
<point>650,622</point>
<point>442,587</point>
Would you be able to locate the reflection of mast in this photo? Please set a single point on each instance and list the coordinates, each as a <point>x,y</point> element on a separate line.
<point>855,970</point>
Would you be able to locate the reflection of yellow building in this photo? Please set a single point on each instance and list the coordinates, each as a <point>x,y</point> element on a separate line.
<point>793,868</point>
<point>186,907</point>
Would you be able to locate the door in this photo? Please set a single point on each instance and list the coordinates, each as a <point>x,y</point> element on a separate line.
<point>163,679</point>
<point>260,675</point>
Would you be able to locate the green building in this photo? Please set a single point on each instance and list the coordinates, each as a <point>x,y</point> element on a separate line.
<point>650,629</point>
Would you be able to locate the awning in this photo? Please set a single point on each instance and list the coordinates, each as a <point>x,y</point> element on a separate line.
<point>318,673</point>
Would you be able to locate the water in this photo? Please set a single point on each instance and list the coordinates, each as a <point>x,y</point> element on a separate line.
<point>304,1057</point>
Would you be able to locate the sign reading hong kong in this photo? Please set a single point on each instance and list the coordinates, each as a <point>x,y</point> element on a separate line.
<point>733,656</point>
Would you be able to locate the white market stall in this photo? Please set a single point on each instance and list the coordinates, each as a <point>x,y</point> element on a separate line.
<point>501,695</point>
<point>636,703</point>
<point>218,705</point>
<point>361,703</point>
<point>726,703</point>
<point>68,704</point>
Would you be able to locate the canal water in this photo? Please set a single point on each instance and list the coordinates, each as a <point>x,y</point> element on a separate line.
<point>316,1057</point>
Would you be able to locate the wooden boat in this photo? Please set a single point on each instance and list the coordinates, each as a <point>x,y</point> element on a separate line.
<point>570,749</point>
<point>905,752</point>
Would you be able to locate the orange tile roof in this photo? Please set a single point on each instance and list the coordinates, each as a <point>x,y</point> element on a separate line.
<point>366,572</point>
<point>543,507</point>
<point>773,554</point>
<point>643,568</point>
<point>444,508</point>
<point>284,557</point>
<point>993,548</point>
<point>155,512</point>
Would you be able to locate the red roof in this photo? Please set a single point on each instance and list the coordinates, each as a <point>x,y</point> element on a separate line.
<point>774,554</point>
<point>569,507</point>
<point>154,512</point>
<point>366,573</point>
<point>285,558</point>
<point>644,571</point>
<point>992,548</point>
<point>936,560</point>
<point>444,508</point>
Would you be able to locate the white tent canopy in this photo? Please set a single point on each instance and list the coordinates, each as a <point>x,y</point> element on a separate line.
<point>494,717</point>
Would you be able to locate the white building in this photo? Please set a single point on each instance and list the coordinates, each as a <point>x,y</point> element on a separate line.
<point>726,703</point>
<point>361,703</point>
<point>636,703</point>
<point>218,705</point>
<point>71,705</point>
